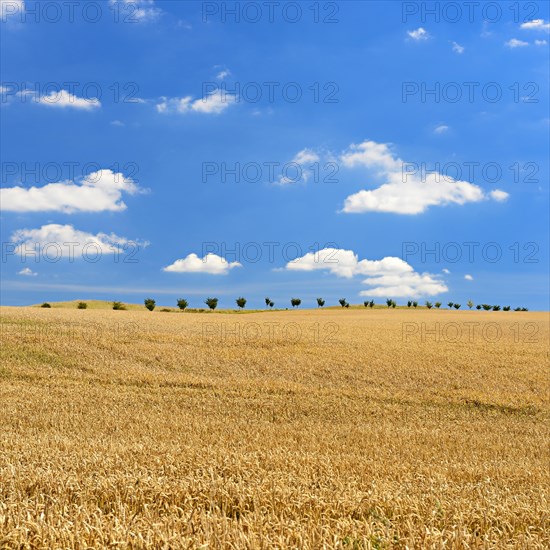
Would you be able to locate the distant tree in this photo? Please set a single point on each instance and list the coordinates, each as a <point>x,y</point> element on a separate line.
<point>82,305</point>
<point>429,305</point>
<point>342,302</point>
<point>320,302</point>
<point>366,303</point>
<point>271,304</point>
<point>45,304</point>
<point>118,306</point>
<point>409,303</point>
<point>524,309</point>
<point>506,308</point>
<point>212,303</point>
<point>450,304</point>
<point>393,303</point>
<point>371,303</point>
<point>149,303</point>
<point>295,302</point>
<point>486,307</point>
<point>478,306</point>
<point>470,304</point>
<point>347,305</point>
<point>241,302</point>
<point>456,306</point>
<point>389,302</point>
<point>438,305</point>
<point>182,304</point>
<point>415,304</point>
<point>517,309</point>
<point>496,308</point>
<point>267,301</point>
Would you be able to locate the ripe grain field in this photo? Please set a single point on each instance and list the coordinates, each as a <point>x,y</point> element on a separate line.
<point>292,429</point>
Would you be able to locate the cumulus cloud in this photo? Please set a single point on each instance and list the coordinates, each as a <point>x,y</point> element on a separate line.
<point>213,103</point>
<point>499,195</point>
<point>441,129</point>
<point>97,192</point>
<point>446,271</point>
<point>457,48</point>
<point>404,192</point>
<point>211,264</point>
<point>536,25</point>
<point>299,166</point>
<point>540,42</point>
<point>65,100</point>
<point>137,11</point>
<point>390,276</point>
<point>27,272</point>
<point>419,34</point>
<point>515,43</point>
<point>58,241</point>
<point>468,277</point>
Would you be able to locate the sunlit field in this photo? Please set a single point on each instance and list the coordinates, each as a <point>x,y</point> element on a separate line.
<point>342,428</point>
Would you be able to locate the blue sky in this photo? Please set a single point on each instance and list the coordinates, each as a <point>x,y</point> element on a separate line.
<point>123,124</point>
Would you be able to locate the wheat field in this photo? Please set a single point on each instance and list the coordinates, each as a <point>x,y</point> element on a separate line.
<point>304,429</point>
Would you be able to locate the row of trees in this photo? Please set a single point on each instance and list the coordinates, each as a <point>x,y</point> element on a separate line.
<point>212,303</point>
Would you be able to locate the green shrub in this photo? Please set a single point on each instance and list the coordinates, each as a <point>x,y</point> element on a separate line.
<point>486,307</point>
<point>506,308</point>
<point>241,302</point>
<point>409,303</point>
<point>478,306</point>
<point>343,303</point>
<point>429,305</point>
<point>438,305</point>
<point>119,306</point>
<point>456,306</point>
<point>45,304</point>
<point>165,310</point>
<point>149,303</point>
<point>295,302</point>
<point>470,304</point>
<point>320,302</point>
<point>496,308</point>
<point>182,304</point>
<point>450,304</point>
<point>82,305</point>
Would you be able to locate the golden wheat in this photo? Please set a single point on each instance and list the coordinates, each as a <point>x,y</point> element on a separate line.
<point>299,429</point>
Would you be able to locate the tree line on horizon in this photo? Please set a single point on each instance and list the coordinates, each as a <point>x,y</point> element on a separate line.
<point>241,302</point>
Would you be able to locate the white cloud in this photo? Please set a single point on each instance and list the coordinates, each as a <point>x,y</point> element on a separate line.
<point>98,192</point>
<point>404,192</point>
<point>137,11</point>
<point>515,43</point>
<point>540,42</point>
<point>441,129</point>
<point>213,103</point>
<point>64,99</point>
<point>302,167</point>
<point>419,34</point>
<point>457,48</point>
<point>11,8</point>
<point>117,123</point>
<point>211,263</point>
<point>27,272</point>
<point>536,24</point>
<point>223,74</point>
<point>468,277</point>
<point>55,240</point>
<point>499,195</point>
<point>389,277</point>
<point>446,271</point>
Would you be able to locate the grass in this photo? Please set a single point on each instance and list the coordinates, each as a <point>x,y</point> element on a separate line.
<point>325,429</point>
